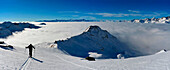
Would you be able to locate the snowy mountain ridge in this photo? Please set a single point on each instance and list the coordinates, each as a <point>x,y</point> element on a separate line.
<point>152,20</point>
<point>7,28</point>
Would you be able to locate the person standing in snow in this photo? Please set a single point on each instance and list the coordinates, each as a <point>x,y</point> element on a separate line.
<point>30,50</point>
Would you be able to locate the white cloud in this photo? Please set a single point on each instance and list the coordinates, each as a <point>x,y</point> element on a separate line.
<point>114,15</point>
<point>154,14</point>
<point>75,15</point>
<point>84,17</point>
<point>102,14</point>
<point>68,12</point>
<point>87,17</point>
<point>134,11</point>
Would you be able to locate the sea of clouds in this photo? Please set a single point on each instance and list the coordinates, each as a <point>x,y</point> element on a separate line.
<point>146,38</point>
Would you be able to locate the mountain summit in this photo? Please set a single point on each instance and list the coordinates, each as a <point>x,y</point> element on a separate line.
<point>96,40</point>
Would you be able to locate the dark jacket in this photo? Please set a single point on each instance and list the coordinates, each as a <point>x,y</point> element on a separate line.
<point>30,49</point>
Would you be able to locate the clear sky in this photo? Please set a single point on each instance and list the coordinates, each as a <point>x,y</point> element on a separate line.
<point>32,10</point>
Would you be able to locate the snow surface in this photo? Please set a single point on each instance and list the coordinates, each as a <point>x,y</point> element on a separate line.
<point>54,59</point>
<point>148,38</point>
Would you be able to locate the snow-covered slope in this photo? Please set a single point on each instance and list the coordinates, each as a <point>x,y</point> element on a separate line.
<point>94,39</point>
<point>54,59</point>
<point>148,38</point>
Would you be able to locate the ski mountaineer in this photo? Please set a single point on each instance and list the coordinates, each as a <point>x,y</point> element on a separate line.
<point>30,50</point>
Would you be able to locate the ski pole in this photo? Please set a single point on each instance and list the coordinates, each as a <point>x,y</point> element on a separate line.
<point>34,52</point>
<point>25,50</point>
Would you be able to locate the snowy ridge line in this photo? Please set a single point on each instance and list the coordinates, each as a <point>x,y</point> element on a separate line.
<point>151,20</point>
<point>25,64</point>
<point>73,63</point>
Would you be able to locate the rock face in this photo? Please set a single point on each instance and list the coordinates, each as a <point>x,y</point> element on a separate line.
<point>5,46</point>
<point>90,58</point>
<point>42,23</point>
<point>162,51</point>
<point>95,39</point>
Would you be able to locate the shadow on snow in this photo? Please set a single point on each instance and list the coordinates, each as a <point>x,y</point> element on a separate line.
<point>37,60</point>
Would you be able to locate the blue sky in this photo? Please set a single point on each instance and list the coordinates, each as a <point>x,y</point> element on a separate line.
<point>32,10</point>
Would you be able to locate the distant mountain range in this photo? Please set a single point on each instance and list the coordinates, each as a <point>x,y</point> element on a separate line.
<point>152,20</point>
<point>146,20</point>
<point>69,20</point>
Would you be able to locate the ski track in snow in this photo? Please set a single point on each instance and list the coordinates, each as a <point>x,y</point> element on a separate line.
<point>25,65</point>
<point>28,64</point>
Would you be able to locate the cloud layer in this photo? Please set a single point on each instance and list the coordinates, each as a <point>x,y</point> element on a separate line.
<point>146,38</point>
<point>123,15</point>
<point>134,11</point>
<point>136,14</point>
